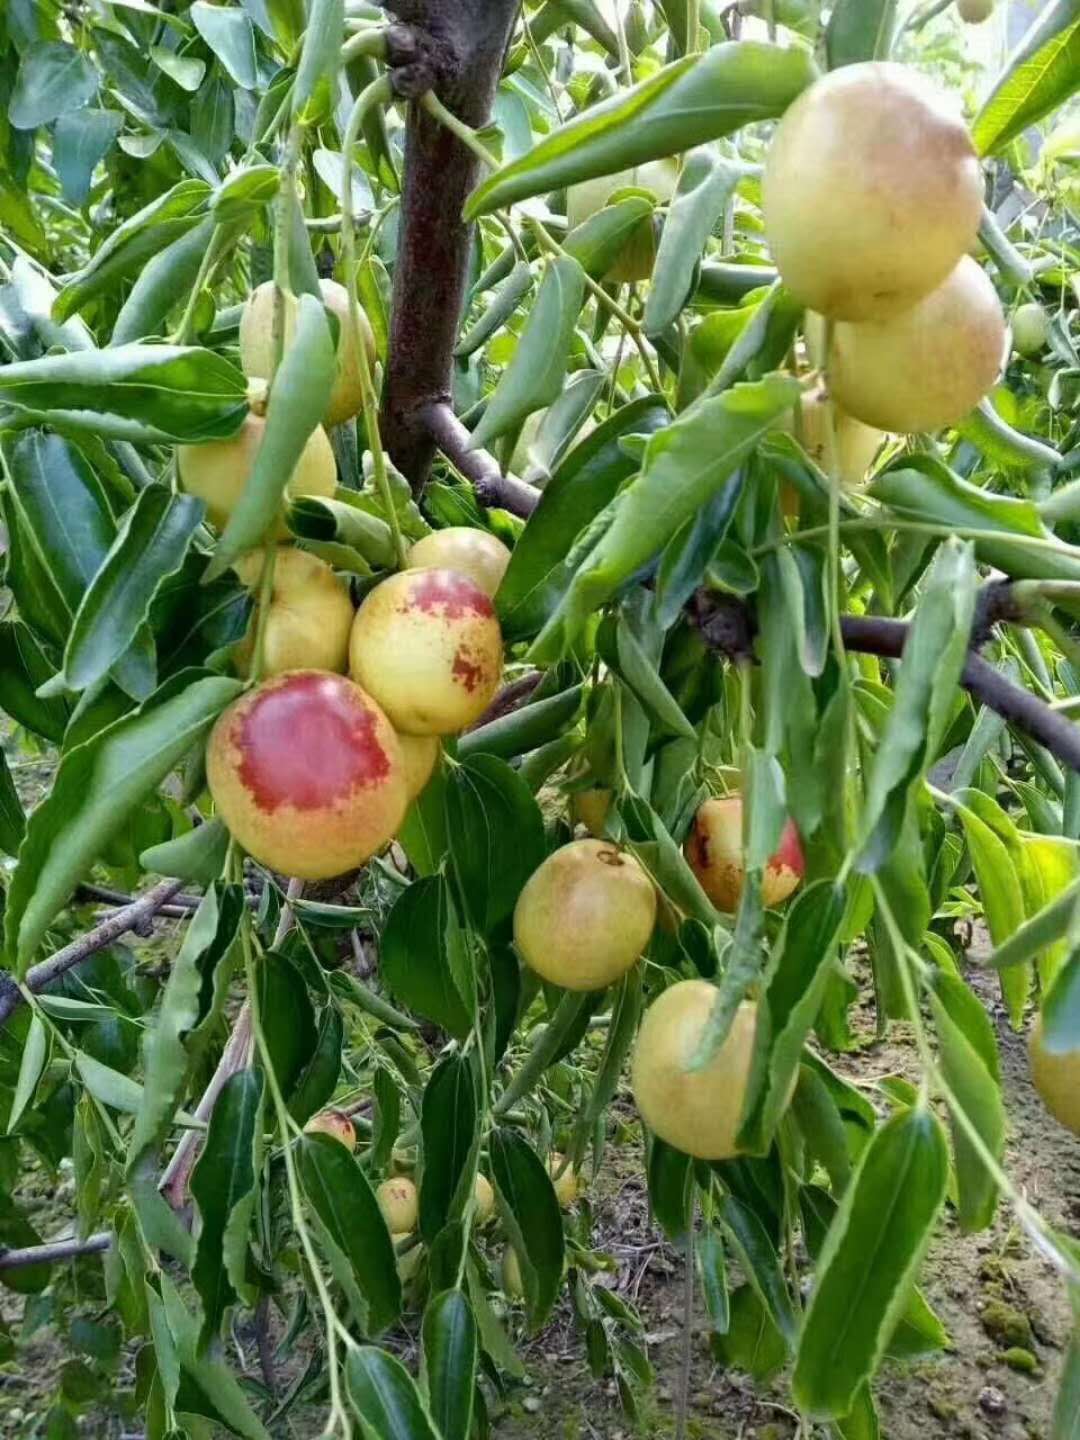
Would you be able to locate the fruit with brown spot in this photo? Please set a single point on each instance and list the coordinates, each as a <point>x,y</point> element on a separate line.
<point>428,647</point>
<point>697,1111</point>
<point>476,553</point>
<point>218,471</point>
<point>872,192</point>
<point>399,1205</point>
<point>1056,1076</point>
<point>334,1123</point>
<point>585,915</point>
<point>307,774</point>
<point>928,367</point>
<point>714,851</point>
<point>257,344</point>
<point>659,178</point>
<point>310,616</point>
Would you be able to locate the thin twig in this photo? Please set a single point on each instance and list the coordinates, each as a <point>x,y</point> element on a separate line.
<point>19,1259</point>
<point>493,488</point>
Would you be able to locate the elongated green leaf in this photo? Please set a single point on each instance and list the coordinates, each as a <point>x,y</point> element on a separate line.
<point>149,548</point>
<point>34,1056</point>
<point>23,668</point>
<point>80,140</point>
<point>685,104</point>
<point>288,1019</point>
<point>670,1176</point>
<point>230,36</point>
<point>296,406</point>
<point>197,856</point>
<point>498,836</point>
<point>684,467</point>
<point>1002,897</point>
<point>524,729</point>
<point>154,393</point>
<point>872,1253</point>
<point>597,242</point>
<point>97,787</point>
<point>1061,1009</point>
<point>507,295</point>
<point>757,1254</point>
<point>424,951</point>
<point>223,1186</point>
<point>706,185</point>
<point>448,1123</point>
<point>751,1341</point>
<point>534,377</point>
<point>1066,1421</point>
<point>450,1345</point>
<point>353,1231</point>
<point>53,78</point>
<point>1040,74</point>
<point>204,1385</point>
<point>860,30</point>
<point>626,657</point>
<point>531,1217</point>
<point>318,1079</point>
<point>387,1403</point>
<point>1042,930</point>
<point>12,819</point>
<point>170,273</point>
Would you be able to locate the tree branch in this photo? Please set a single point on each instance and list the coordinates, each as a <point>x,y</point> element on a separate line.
<point>131,917</point>
<point>492,487</point>
<point>465,42</point>
<point>20,1259</point>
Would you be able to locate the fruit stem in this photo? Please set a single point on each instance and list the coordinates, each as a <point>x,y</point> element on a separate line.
<point>379,92</point>
<point>210,258</point>
<point>371,40</point>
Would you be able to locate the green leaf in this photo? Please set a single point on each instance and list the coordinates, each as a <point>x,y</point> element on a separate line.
<point>385,1398</point>
<point>505,299</point>
<point>757,1254</point>
<point>1066,1421</point>
<point>197,856</point>
<point>288,1019</point>
<point>1061,1009</point>
<point>149,549</point>
<point>97,788</point>
<point>531,1217</point>
<point>450,1346</point>
<point>168,274</point>
<point>751,1341</point>
<point>534,378</point>
<point>498,836</point>
<point>1039,76</point>
<point>223,1185</point>
<point>626,657</point>
<point>319,1077</point>
<point>423,950</point>
<point>1002,896</point>
<point>706,184</point>
<point>525,729</point>
<point>81,139</point>
<point>109,1086</point>
<point>451,1139</point>
<point>1036,934</point>
<point>860,30</point>
<point>683,468</point>
<point>230,36</point>
<point>295,409</point>
<point>159,394</point>
<point>670,1176</point>
<point>352,1230</point>
<point>685,104</point>
<point>872,1253</point>
<point>53,79</point>
<point>597,242</point>
<point>23,668</point>
<point>12,819</point>
<point>585,482</point>
<point>34,1056</point>
<point>320,59</point>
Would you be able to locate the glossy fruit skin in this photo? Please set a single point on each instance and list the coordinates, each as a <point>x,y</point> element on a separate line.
<point>427,645</point>
<point>421,755</point>
<point>698,1112</point>
<point>257,344</point>
<point>307,774</point>
<point>484,1196</point>
<point>1056,1078</point>
<point>585,199</point>
<point>974,12</point>
<point>714,851</point>
<point>311,614</point>
<point>334,1123</point>
<point>1030,329</point>
<point>928,367</point>
<point>476,553</point>
<point>512,1284</point>
<point>567,1184</point>
<point>872,192</point>
<point>398,1202</point>
<point>856,444</point>
<point>218,471</point>
<point>585,915</point>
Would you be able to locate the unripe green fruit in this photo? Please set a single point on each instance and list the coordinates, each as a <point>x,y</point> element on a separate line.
<point>1030,329</point>
<point>512,1283</point>
<point>476,553</point>
<point>257,344</point>
<point>399,1204</point>
<point>310,618</point>
<point>872,192</point>
<point>927,368</point>
<point>219,471</point>
<point>307,774</point>
<point>426,644</point>
<point>974,12</point>
<point>585,915</point>
<point>1056,1078</point>
<point>696,1111</point>
<point>585,199</point>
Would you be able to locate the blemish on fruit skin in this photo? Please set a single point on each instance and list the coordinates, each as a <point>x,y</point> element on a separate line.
<point>308,742</point>
<point>469,673</point>
<point>447,593</point>
<point>789,853</point>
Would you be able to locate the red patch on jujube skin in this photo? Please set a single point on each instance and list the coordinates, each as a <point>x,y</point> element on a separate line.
<point>450,594</point>
<point>789,853</point>
<point>465,671</point>
<point>307,742</point>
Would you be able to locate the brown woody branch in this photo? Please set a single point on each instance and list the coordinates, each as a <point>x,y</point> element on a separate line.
<point>131,917</point>
<point>27,1255</point>
<point>493,488</point>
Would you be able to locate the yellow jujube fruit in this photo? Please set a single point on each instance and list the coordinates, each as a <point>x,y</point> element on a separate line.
<point>399,1204</point>
<point>310,617</point>
<point>1056,1077</point>
<point>476,553</point>
<point>484,1198</point>
<point>565,1180</point>
<point>639,254</point>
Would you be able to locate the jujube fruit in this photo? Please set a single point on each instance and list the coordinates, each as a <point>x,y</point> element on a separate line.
<point>565,1180</point>
<point>398,1203</point>
<point>510,1272</point>
<point>218,471</point>
<point>697,1111</point>
<point>1030,329</point>
<point>928,367</point>
<point>585,915</point>
<point>428,647</point>
<point>484,1198</point>
<point>974,12</point>
<point>872,192</point>
<point>856,444</point>
<point>257,344</point>
<point>1056,1077</point>
<point>583,200</point>
<point>306,772</point>
<point>310,616</point>
<point>476,553</point>
<point>714,851</point>
<point>421,755</point>
<point>334,1123</point>
<point>590,808</point>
